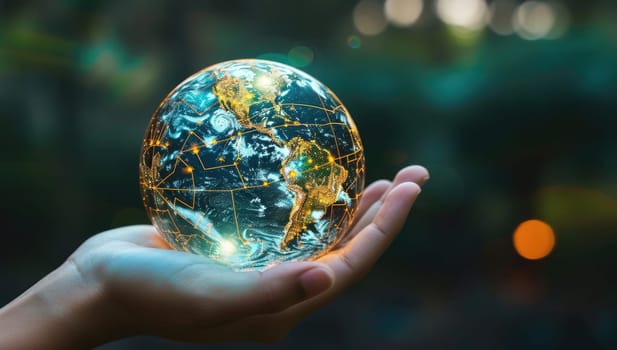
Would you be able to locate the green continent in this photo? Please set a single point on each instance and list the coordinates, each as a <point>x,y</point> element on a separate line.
<point>316,181</point>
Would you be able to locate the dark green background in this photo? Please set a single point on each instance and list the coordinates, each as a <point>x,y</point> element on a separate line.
<point>510,129</point>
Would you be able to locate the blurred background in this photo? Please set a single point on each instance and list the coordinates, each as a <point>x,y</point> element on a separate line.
<point>510,104</point>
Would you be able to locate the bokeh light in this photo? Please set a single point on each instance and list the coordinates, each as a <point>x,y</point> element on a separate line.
<point>354,41</point>
<point>577,207</point>
<point>403,13</point>
<point>500,16</point>
<point>468,14</point>
<point>534,239</point>
<point>534,20</point>
<point>300,56</point>
<point>368,17</point>
<point>80,80</point>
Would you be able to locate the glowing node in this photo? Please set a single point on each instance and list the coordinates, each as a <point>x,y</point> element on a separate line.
<point>227,247</point>
<point>264,82</point>
<point>534,239</point>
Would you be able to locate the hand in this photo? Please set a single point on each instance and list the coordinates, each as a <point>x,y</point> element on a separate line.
<point>128,281</point>
<point>381,215</point>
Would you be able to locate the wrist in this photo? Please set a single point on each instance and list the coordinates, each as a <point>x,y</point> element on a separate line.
<point>62,311</point>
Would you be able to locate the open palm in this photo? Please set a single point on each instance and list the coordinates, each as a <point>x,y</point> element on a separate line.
<point>148,288</point>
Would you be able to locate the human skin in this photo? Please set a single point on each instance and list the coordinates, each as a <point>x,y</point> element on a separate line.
<point>128,281</point>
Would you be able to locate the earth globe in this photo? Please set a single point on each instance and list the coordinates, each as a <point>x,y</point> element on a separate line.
<point>251,163</point>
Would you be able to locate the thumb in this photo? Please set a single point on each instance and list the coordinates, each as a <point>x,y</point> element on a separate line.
<point>274,290</point>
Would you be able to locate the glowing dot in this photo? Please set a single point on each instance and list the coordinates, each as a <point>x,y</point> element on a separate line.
<point>188,169</point>
<point>265,183</point>
<point>316,167</point>
<point>213,142</point>
<point>368,17</point>
<point>264,82</point>
<point>310,160</point>
<point>293,174</point>
<point>195,150</point>
<point>468,14</point>
<point>158,142</point>
<point>330,159</point>
<point>239,133</point>
<point>533,239</point>
<point>354,41</point>
<point>403,13</point>
<point>300,56</point>
<point>534,20</point>
<point>221,159</point>
<point>227,248</point>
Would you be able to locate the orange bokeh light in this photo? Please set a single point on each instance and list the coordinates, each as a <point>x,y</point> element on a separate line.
<point>533,239</point>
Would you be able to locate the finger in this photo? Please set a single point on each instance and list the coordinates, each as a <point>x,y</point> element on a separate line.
<point>141,235</point>
<point>363,221</point>
<point>371,194</point>
<point>414,173</point>
<point>229,300</point>
<point>144,235</point>
<point>243,294</point>
<point>355,259</point>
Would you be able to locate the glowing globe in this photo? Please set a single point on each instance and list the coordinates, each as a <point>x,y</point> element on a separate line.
<point>251,163</point>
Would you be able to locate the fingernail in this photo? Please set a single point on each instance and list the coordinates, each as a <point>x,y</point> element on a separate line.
<point>423,180</point>
<point>315,281</point>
